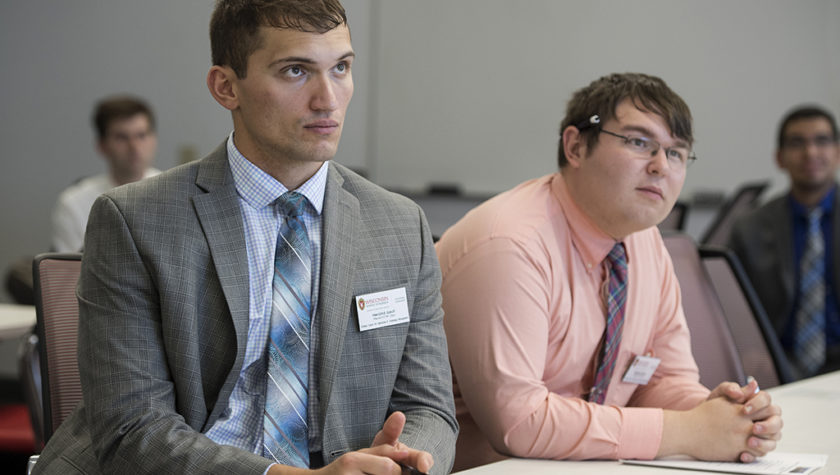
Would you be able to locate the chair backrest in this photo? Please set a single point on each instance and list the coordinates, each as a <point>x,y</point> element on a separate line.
<point>29,371</point>
<point>745,199</point>
<point>675,221</point>
<point>444,205</point>
<point>55,278</point>
<point>712,343</point>
<point>761,352</point>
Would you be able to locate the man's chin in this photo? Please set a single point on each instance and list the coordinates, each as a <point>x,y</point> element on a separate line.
<point>815,183</point>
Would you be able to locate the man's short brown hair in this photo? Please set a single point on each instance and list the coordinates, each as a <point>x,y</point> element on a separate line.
<point>114,108</point>
<point>234,26</point>
<point>602,96</point>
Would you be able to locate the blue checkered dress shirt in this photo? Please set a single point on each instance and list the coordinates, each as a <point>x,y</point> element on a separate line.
<point>241,425</point>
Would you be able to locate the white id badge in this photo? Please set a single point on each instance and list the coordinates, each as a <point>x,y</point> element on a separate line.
<point>641,369</point>
<point>382,309</point>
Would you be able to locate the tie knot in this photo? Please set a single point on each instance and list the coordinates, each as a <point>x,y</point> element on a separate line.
<point>617,256</point>
<point>815,215</point>
<point>291,204</point>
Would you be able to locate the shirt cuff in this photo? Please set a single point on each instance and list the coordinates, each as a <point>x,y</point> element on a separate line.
<point>641,433</point>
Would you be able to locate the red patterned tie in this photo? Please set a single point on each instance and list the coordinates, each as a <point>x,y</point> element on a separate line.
<point>616,297</point>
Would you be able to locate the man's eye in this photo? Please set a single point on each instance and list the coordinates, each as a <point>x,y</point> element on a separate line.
<point>823,140</point>
<point>341,67</point>
<point>638,142</point>
<point>294,71</point>
<point>678,154</point>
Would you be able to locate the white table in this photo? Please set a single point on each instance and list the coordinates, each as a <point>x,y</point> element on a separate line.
<point>810,410</point>
<point>16,320</point>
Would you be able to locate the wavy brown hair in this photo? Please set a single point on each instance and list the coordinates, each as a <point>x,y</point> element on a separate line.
<point>602,96</point>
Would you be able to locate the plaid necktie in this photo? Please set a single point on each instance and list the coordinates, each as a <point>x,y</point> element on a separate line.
<point>616,297</point>
<point>285,424</point>
<point>809,336</point>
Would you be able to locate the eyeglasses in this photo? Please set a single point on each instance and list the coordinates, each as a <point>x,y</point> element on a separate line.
<point>797,142</point>
<point>679,158</point>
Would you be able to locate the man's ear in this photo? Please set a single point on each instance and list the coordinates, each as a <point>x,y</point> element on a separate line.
<point>221,82</point>
<point>574,146</point>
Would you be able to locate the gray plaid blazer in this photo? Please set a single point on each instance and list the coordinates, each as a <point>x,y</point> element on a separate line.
<point>163,301</point>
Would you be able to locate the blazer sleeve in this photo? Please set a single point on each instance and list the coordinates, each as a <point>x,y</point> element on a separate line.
<point>128,389</point>
<point>423,388</point>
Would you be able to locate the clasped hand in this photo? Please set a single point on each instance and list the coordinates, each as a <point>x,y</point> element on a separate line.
<point>384,454</point>
<point>764,418</point>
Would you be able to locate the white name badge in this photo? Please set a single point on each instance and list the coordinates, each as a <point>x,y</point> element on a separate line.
<point>641,369</point>
<point>382,309</point>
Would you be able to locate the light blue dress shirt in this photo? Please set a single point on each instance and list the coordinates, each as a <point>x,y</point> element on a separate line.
<point>241,425</point>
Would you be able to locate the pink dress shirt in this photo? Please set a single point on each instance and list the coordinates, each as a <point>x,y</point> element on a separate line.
<point>523,276</point>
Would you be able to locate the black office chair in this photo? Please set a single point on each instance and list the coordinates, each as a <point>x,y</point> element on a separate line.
<point>675,221</point>
<point>444,204</point>
<point>744,200</point>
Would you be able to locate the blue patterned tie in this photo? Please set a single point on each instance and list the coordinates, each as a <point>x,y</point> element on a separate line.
<point>616,297</point>
<point>809,336</point>
<point>285,424</point>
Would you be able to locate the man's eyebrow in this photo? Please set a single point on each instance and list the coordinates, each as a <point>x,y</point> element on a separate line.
<point>305,60</point>
<point>806,136</point>
<point>293,59</point>
<point>637,128</point>
<point>678,142</point>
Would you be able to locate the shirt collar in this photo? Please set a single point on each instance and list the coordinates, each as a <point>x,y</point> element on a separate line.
<point>591,243</point>
<point>260,189</point>
<point>827,204</point>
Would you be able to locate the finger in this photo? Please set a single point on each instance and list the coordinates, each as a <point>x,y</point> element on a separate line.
<point>752,387</point>
<point>770,428</point>
<point>385,450</point>
<point>756,402</point>
<point>749,390</point>
<point>760,447</point>
<point>719,391</point>
<point>771,410</point>
<point>400,452</point>
<point>391,430</point>
<point>419,459</point>
<point>729,390</point>
<point>377,460</point>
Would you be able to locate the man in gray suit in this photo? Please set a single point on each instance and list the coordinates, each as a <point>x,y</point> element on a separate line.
<point>775,243</point>
<point>179,286</point>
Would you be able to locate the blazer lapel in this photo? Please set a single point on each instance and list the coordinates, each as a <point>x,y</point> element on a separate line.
<point>783,237</point>
<point>221,219</point>
<point>340,218</point>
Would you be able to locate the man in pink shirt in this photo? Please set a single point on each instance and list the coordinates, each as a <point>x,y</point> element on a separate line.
<point>553,289</point>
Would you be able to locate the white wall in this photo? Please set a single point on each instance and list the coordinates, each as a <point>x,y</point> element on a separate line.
<point>467,91</point>
<point>474,90</point>
<point>59,57</point>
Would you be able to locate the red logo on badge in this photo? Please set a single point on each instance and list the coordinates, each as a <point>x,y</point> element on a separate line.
<point>361,304</point>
